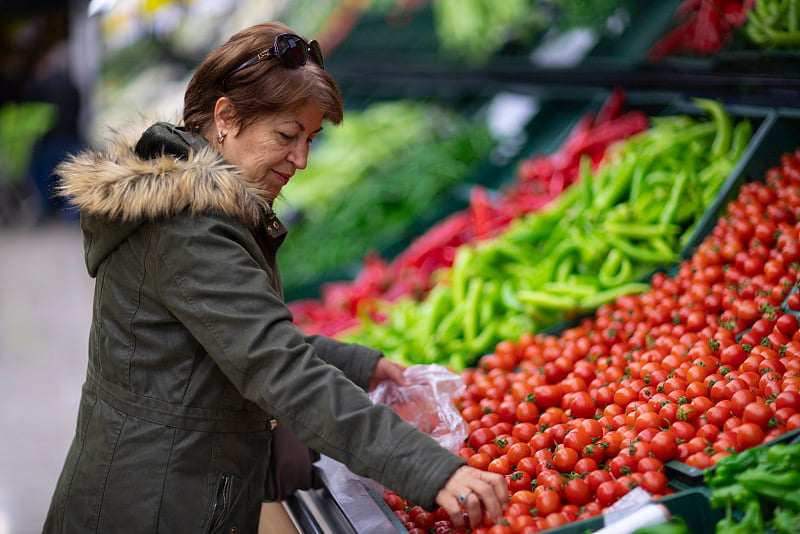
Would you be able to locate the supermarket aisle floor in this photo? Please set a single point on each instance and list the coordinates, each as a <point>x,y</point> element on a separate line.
<point>45,305</point>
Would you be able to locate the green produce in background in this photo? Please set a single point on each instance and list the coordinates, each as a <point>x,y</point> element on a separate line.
<point>369,179</point>
<point>474,30</point>
<point>21,126</point>
<point>763,484</point>
<point>774,24</point>
<point>591,245</point>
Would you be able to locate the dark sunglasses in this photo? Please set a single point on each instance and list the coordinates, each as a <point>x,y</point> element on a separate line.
<point>292,50</point>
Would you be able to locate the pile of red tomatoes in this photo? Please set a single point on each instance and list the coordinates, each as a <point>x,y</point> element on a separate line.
<point>705,364</point>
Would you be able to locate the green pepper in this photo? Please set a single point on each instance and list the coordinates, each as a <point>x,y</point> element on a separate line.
<point>640,230</point>
<point>638,253</point>
<point>615,270</point>
<point>471,301</point>
<point>729,467</point>
<point>751,523</point>
<point>676,525</point>
<point>674,198</point>
<point>547,299</point>
<point>724,134</point>
<point>785,521</point>
<point>461,263</point>
<point>609,295</point>
<point>758,481</point>
<point>772,486</point>
<point>742,133</point>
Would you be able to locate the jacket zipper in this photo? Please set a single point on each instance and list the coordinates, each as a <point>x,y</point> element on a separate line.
<point>221,501</point>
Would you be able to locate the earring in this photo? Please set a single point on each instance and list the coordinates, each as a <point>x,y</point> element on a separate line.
<point>220,137</point>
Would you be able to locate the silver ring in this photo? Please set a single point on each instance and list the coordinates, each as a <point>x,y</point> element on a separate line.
<point>463,498</point>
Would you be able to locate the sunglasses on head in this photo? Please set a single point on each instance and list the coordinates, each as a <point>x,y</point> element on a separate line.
<point>292,50</point>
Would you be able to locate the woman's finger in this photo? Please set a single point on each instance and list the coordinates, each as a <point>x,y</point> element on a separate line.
<point>493,501</point>
<point>451,505</point>
<point>473,507</point>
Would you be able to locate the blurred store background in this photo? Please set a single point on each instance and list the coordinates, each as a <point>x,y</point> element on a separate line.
<point>441,96</point>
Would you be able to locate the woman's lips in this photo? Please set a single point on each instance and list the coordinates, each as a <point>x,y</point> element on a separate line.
<point>283,177</point>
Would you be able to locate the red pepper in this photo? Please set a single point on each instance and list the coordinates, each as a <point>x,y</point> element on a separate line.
<point>735,12</point>
<point>707,37</point>
<point>439,235</point>
<point>480,210</point>
<point>704,26</point>
<point>686,8</point>
<point>612,107</point>
<point>673,42</point>
<point>608,132</point>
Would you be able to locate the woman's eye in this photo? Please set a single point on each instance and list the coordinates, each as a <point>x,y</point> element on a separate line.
<point>287,137</point>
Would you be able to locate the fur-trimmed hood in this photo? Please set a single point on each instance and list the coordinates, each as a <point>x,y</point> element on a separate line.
<point>116,189</point>
<point>118,184</point>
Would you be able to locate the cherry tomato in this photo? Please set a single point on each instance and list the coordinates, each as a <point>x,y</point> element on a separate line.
<point>519,480</point>
<point>517,452</point>
<point>577,492</point>
<point>621,465</point>
<point>565,458</point>
<point>606,493</point>
<point>654,482</point>
<point>499,465</point>
<point>582,405</point>
<point>480,437</point>
<point>788,399</point>
<point>757,413</point>
<point>664,445</point>
<point>597,477</point>
<point>547,502</point>
<point>749,435</point>
<point>479,460</point>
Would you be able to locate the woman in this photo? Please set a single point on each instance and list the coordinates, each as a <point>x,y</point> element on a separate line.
<point>193,357</point>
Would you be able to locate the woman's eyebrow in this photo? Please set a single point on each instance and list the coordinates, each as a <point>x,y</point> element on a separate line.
<point>303,128</point>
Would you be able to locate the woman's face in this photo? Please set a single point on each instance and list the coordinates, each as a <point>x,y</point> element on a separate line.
<point>270,150</point>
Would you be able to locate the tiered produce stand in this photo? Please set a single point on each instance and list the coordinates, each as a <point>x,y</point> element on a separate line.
<point>619,293</point>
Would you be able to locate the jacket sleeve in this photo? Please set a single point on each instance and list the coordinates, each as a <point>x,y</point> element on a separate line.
<point>356,361</point>
<point>210,279</point>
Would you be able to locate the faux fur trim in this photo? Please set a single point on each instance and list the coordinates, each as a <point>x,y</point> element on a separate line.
<point>116,183</point>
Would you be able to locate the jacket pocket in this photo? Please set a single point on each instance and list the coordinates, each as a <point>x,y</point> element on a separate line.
<point>223,500</point>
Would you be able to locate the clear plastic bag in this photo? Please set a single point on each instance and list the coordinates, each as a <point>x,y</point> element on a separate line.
<point>427,402</point>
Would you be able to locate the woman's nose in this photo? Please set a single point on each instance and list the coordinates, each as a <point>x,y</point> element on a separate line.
<point>298,156</point>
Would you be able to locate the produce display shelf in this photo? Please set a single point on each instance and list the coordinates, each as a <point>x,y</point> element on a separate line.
<point>692,506</point>
<point>629,49</point>
<point>739,55</point>
<point>693,477</point>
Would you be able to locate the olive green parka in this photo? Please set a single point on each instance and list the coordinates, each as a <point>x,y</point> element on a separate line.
<point>192,351</point>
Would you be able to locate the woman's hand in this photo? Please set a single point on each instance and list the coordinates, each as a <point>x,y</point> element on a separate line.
<point>473,490</point>
<point>387,370</point>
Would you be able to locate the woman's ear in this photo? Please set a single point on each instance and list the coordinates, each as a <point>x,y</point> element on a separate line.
<point>223,114</point>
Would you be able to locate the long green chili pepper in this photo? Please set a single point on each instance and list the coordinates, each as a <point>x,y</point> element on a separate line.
<point>674,197</point>
<point>615,270</point>
<point>722,139</point>
<point>474,290</point>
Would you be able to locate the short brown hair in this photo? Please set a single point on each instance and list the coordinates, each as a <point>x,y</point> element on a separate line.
<point>268,87</point>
